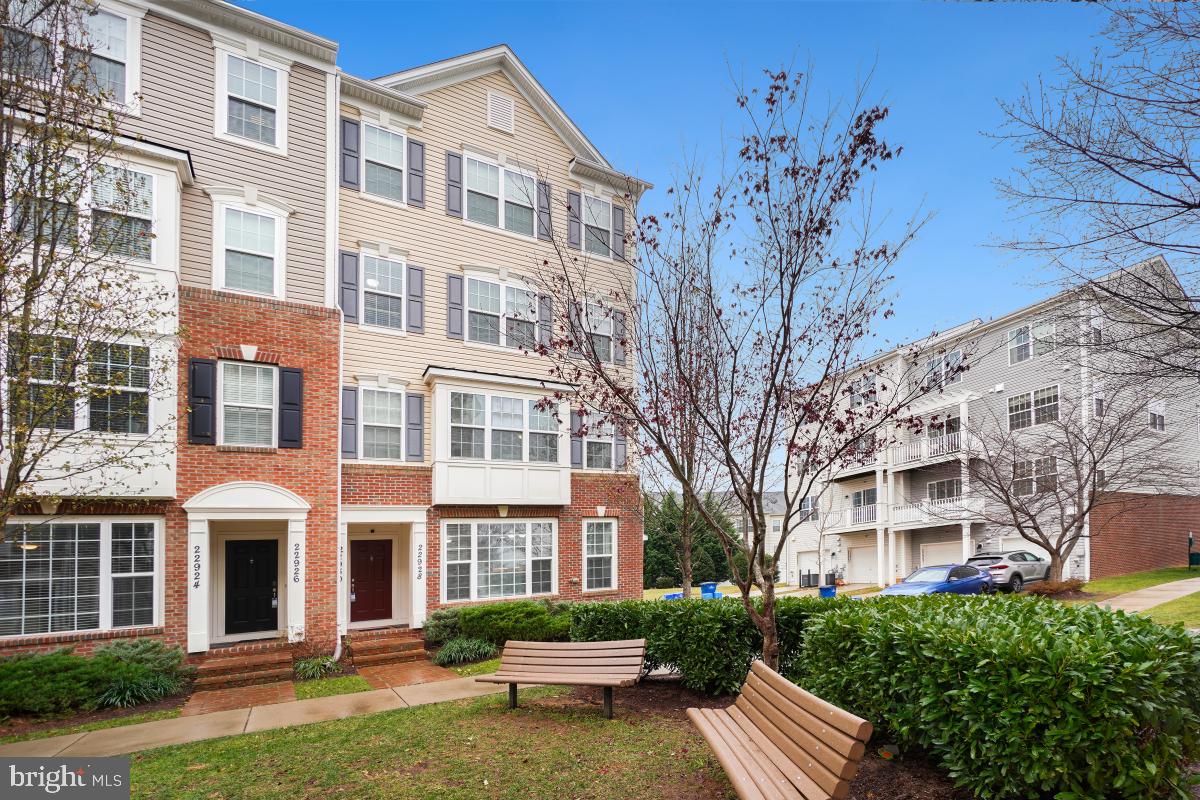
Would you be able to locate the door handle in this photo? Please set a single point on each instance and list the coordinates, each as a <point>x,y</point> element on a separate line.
<point>274,594</point>
<point>353,594</point>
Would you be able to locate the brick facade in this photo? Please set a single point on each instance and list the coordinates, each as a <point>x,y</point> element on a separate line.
<point>1142,532</point>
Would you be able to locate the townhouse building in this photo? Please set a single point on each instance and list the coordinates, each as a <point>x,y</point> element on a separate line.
<point>909,501</point>
<point>359,436</point>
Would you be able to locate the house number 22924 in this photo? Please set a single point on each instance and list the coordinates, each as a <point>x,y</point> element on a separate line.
<point>196,566</point>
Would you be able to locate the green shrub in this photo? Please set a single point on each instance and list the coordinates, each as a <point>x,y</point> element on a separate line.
<point>464,651</point>
<point>1016,697</point>
<point>521,620</point>
<point>150,653</point>
<point>442,625</point>
<point>135,689</point>
<point>711,643</point>
<point>58,682</point>
<point>664,582</point>
<point>308,669</point>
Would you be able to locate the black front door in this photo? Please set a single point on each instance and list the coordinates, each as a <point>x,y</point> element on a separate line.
<point>251,585</point>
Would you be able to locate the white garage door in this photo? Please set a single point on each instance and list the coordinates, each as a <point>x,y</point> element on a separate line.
<point>863,567</point>
<point>806,561</point>
<point>936,553</point>
<point>1021,543</point>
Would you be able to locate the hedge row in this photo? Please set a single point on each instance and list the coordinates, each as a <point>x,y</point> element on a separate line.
<point>522,620</point>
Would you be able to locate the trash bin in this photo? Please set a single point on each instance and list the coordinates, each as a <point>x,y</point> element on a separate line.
<point>827,591</point>
<point>708,587</point>
<point>1194,559</point>
<point>673,596</point>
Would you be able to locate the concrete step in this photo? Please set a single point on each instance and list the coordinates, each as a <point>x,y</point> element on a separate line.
<point>388,657</point>
<point>232,664</point>
<point>226,680</point>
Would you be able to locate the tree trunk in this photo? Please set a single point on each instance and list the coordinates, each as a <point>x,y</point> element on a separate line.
<point>1056,566</point>
<point>765,622</point>
<point>685,545</point>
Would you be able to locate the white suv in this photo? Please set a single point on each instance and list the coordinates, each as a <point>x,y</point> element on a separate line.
<point>1012,569</point>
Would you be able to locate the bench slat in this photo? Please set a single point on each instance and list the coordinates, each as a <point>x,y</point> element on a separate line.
<point>575,655</point>
<point>569,669</point>
<point>801,779</point>
<point>771,780</point>
<point>558,679</point>
<point>625,661</point>
<point>738,775</point>
<point>614,645</point>
<point>831,747</point>
<point>822,765</point>
<point>843,720</point>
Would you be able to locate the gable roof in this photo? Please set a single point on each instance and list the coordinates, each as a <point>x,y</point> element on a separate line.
<point>499,58</point>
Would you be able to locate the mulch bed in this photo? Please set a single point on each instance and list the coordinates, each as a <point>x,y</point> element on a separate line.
<point>907,778</point>
<point>1075,595</point>
<point>21,725</point>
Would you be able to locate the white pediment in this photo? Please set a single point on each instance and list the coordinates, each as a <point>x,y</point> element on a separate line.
<point>250,499</point>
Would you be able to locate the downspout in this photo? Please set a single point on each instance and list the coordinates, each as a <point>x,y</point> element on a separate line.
<point>332,211</point>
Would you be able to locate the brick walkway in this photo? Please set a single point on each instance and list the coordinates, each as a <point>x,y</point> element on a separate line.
<point>238,697</point>
<point>407,673</point>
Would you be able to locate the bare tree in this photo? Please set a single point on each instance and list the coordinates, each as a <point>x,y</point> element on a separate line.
<point>1110,181</point>
<point>1041,470</point>
<point>782,271</point>
<point>78,326</point>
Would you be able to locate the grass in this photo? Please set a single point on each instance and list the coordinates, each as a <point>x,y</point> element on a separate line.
<point>1120,584</point>
<point>326,687</point>
<point>478,668</point>
<point>1185,610</point>
<point>114,722</point>
<point>549,747</point>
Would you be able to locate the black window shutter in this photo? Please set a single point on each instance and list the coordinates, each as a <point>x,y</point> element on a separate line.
<point>291,407</point>
<point>544,229</point>
<point>349,422</point>
<point>414,312</point>
<point>574,221</point>
<point>202,393</point>
<point>618,232</point>
<point>416,173</point>
<point>454,307</point>
<point>348,283</point>
<point>618,342</point>
<point>545,319</point>
<point>454,184</point>
<point>350,153</point>
<point>414,427</point>
<point>576,440</point>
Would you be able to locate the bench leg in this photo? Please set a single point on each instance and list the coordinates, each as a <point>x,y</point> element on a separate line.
<point>512,695</point>
<point>608,702</point>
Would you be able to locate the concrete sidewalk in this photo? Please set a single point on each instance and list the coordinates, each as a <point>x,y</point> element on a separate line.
<point>1144,599</point>
<point>147,735</point>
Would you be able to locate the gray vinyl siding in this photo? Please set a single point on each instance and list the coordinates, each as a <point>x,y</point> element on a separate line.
<point>178,109</point>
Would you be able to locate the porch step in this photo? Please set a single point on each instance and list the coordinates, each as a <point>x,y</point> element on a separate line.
<point>249,678</point>
<point>393,647</point>
<point>389,657</point>
<point>218,671</point>
<point>390,644</point>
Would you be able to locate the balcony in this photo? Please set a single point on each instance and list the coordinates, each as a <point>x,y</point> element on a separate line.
<point>936,512</point>
<point>926,450</point>
<point>851,517</point>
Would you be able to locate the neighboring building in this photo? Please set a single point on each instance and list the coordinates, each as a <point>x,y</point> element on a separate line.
<point>358,441</point>
<point>774,514</point>
<point>911,504</point>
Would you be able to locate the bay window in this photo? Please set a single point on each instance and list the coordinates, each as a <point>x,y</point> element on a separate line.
<point>123,213</point>
<point>247,397</point>
<point>599,555</point>
<point>597,226</point>
<point>467,428</point>
<point>508,426</point>
<point>498,427</point>
<point>383,424</point>
<point>383,163</point>
<point>119,375</point>
<point>543,434</point>
<point>383,292</point>
<point>500,197</point>
<point>489,559</point>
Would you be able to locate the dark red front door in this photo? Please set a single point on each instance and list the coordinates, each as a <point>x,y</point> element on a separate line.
<point>370,579</point>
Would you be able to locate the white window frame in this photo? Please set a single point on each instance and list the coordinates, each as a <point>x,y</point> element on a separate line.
<point>220,403</point>
<point>863,391</point>
<point>503,165</point>
<point>608,435</point>
<point>126,389</point>
<point>1036,474</point>
<point>282,70</point>
<point>808,510</point>
<point>362,423</point>
<point>1158,416</point>
<point>937,368</point>
<point>88,206</point>
<point>505,283</point>
<point>583,226</point>
<point>616,575</point>
<point>599,324</point>
<point>526,430</point>
<point>106,573</point>
<point>394,258</point>
<point>1033,340</point>
<point>474,522</point>
<point>222,202</point>
<point>951,483</point>
<point>1031,397</point>
<point>362,176</point>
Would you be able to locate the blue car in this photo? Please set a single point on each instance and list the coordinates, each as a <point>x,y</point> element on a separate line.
<point>944,579</point>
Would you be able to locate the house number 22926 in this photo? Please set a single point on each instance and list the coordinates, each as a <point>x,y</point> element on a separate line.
<point>296,563</point>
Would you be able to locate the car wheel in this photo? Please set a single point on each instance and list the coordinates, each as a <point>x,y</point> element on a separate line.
<point>1015,584</point>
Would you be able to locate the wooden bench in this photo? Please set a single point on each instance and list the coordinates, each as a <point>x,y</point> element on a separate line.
<point>605,664</point>
<point>778,742</point>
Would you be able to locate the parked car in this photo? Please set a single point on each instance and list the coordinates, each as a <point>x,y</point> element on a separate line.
<point>1012,569</point>
<point>944,579</point>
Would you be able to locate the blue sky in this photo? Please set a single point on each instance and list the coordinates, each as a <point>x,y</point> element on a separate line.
<point>649,82</point>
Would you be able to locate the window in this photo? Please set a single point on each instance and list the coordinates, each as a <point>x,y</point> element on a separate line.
<point>1098,406</point>
<point>501,313</point>
<point>106,38</point>
<point>599,324</point>
<point>247,404</point>
<point>123,213</point>
<point>1018,345</point>
<point>1020,412</point>
<point>1158,421</point>
<point>808,510</point>
<point>1029,341</point>
<point>543,434</point>
<point>119,400</point>
<point>597,225</point>
<point>1033,408</point>
<point>383,293</point>
<point>599,547</point>
<point>53,578</point>
<point>945,427</point>
<point>943,370</point>
<point>1045,405</point>
<point>1096,328</point>
<point>1036,476</point>
<point>598,446</point>
<point>466,425</point>
<point>862,391</point>
<point>508,429</point>
<point>252,101</point>
<point>1044,340</point>
<point>383,424</point>
<point>383,163</point>
<point>249,258</point>
<point>863,497</point>
<point>500,197</point>
<point>51,389</point>
<point>945,489</point>
<point>489,559</point>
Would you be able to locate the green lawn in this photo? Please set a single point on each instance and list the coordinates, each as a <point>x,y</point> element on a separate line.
<point>324,687</point>
<point>1185,610</point>
<point>115,722</point>
<point>551,746</point>
<point>478,668</point>
<point>1120,584</point>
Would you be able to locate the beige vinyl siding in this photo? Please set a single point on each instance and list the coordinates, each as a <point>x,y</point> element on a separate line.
<point>179,109</point>
<point>443,245</point>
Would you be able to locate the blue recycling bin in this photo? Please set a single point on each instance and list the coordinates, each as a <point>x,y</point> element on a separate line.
<point>708,587</point>
<point>827,591</point>
<point>673,596</point>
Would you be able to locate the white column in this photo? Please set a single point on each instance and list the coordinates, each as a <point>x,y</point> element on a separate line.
<point>891,560</point>
<point>905,567</point>
<point>880,555</point>
<point>343,607</point>
<point>199,576</point>
<point>418,558</point>
<point>295,580</point>
<point>966,541</point>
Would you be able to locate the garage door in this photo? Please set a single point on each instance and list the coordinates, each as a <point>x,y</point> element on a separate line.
<point>863,567</point>
<point>806,562</point>
<point>941,553</point>
<point>1021,543</point>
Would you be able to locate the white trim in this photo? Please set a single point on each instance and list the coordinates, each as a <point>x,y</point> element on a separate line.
<point>248,201</point>
<point>474,522</point>
<point>246,500</point>
<point>382,252</point>
<point>131,103</point>
<point>496,102</point>
<point>220,402</point>
<point>583,555</point>
<point>362,424</point>
<point>332,193</point>
<point>223,50</point>
<point>584,196</point>
<point>384,124</point>
<point>502,165</point>
<point>383,514</point>
<point>1032,395</point>
<point>437,374</point>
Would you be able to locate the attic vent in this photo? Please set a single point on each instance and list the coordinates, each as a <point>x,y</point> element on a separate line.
<point>501,111</point>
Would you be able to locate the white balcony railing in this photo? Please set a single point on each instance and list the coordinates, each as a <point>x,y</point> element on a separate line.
<point>924,449</point>
<point>863,514</point>
<point>934,511</point>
